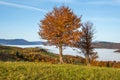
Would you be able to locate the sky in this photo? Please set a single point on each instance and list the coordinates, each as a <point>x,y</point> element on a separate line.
<point>20,19</point>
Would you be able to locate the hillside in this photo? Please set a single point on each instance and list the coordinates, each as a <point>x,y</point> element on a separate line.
<point>100,44</point>
<point>48,71</point>
<point>8,53</point>
<point>18,42</point>
<point>36,54</point>
<point>108,45</point>
<point>118,51</point>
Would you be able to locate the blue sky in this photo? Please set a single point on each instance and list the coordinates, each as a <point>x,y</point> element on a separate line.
<point>20,18</point>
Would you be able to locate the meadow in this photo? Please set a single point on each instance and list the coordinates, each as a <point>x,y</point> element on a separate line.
<point>48,71</point>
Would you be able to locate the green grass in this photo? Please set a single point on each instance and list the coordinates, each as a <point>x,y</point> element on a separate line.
<point>47,71</point>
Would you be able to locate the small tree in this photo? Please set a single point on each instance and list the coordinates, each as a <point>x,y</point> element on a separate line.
<point>85,43</point>
<point>60,28</point>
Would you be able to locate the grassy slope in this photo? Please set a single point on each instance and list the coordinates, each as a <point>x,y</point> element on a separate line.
<point>8,53</point>
<point>47,71</point>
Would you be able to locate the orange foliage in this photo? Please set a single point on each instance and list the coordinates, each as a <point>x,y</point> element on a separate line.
<point>60,28</point>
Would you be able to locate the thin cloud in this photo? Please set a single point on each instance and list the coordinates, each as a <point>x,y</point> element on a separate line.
<point>100,3</point>
<point>22,6</point>
<point>105,19</point>
<point>114,3</point>
<point>97,2</point>
<point>62,1</point>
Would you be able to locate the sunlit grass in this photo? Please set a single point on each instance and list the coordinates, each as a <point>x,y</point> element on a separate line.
<point>47,71</point>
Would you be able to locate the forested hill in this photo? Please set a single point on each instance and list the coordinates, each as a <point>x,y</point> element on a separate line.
<point>100,44</point>
<point>18,42</point>
<point>108,45</point>
<point>118,51</point>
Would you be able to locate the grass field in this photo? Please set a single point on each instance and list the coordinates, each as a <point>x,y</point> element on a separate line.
<point>48,71</point>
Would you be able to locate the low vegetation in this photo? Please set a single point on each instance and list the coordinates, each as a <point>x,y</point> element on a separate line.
<point>8,53</point>
<point>14,54</point>
<point>48,71</point>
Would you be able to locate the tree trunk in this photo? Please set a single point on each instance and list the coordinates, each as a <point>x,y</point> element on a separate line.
<point>60,55</point>
<point>87,60</point>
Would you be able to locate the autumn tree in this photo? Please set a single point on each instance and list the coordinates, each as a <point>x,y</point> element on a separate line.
<point>60,28</point>
<point>85,43</point>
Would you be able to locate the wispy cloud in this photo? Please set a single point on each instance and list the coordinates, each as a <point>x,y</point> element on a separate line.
<point>100,3</point>
<point>22,6</point>
<point>62,1</point>
<point>105,19</point>
<point>89,2</point>
<point>103,2</point>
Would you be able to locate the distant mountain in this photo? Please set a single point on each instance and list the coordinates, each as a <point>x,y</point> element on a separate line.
<point>118,51</point>
<point>18,42</point>
<point>98,44</point>
<point>108,45</point>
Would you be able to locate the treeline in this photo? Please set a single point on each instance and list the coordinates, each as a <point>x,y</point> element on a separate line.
<point>34,55</point>
<point>108,45</point>
<point>113,64</point>
<point>118,51</point>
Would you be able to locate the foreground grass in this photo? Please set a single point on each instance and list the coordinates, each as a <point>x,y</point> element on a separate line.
<point>47,71</point>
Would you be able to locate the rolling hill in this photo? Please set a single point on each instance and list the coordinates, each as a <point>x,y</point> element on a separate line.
<point>108,45</point>
<point>18,42</point>
<point>98,44</point>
